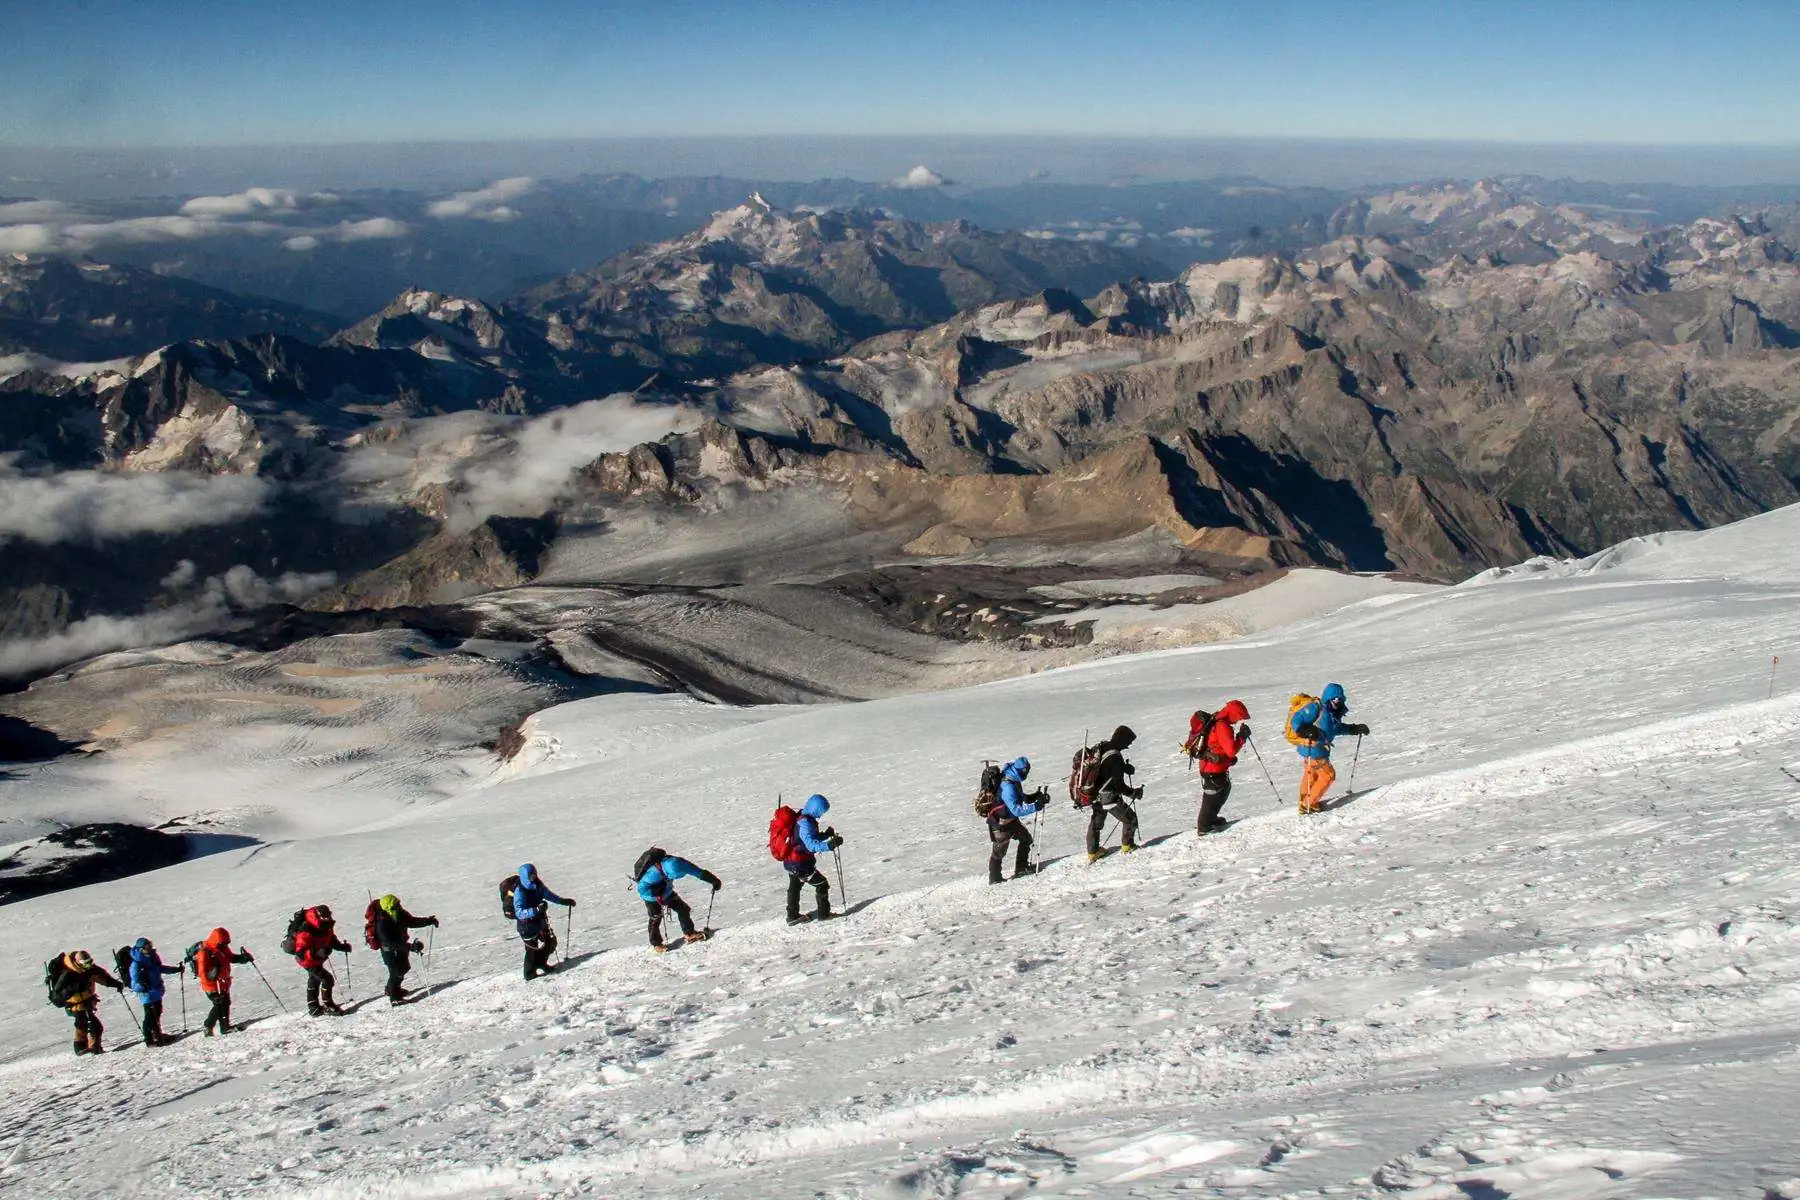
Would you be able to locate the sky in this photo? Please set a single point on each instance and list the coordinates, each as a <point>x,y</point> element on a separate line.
<point>135,73</point>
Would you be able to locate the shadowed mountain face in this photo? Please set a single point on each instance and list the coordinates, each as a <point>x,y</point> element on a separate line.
<point>1464,377</point>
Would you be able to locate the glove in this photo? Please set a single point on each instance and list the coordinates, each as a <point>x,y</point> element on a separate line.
<point>568,904</point>
<point>418,947</point>
<point>1136,793</point>
<point>1357,730</point>
<point>249,957</point>
<point>1245,730</point>
<point>833,840</point>
<point>117,987</point>
<point>434,922</point>
<point>716,882</point>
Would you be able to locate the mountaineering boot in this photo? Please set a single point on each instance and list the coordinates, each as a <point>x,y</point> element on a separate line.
<point>81,1045</point>
<point>1095,856</point>
<point>699,935</point>
<point>1027,869</point>
<point>799,918</point>
<point>660,949</point>
<point>333,1007</point>
<point>1128,848</point>
<point>314,1010</point>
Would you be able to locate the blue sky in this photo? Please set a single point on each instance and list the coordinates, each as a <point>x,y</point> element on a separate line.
<point>157,73</point>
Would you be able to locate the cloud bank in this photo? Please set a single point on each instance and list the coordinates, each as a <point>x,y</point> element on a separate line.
<point>95,506</point>
<point>52,227</point>
<point>213,605</point>
<point>483,204</point>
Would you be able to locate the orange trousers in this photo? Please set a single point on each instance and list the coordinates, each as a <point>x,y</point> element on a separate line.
<point>1315,781</point>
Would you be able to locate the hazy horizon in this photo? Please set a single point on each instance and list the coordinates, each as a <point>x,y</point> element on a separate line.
<point>97,173</point>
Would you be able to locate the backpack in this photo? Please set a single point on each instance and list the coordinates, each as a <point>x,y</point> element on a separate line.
<point>191,955</point>
<point>988,795</point>
<point>508,887</point>
<point>1199,726</point>
<point>369,916</point>
<point>783,835</point>
<point>58,982</point>
<point>1084,776</point>
<point>646,860</point>
<point>122,965</point>
<point>1299,702</point>
<point>295,924</point>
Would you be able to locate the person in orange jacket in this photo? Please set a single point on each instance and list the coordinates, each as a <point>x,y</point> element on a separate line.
<point>212,966</point>
<point>1215,744</point>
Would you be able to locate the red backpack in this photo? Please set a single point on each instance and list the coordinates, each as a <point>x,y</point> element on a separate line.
<point>369,916</point>
<point>784,842</point>
<point>1084,776</point>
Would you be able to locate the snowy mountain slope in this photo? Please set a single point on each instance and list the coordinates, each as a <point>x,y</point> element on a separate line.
<point>1554,952</point>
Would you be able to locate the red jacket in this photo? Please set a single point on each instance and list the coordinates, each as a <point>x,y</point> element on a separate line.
<point>316,941</point>
<point>1220,753</point>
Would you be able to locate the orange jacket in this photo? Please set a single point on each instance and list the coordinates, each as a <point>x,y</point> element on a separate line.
<point>212,962</point>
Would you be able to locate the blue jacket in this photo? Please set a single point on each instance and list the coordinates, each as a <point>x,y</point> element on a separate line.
<point>533,895</point>
<point>1319,714</point>
<point>147,972</point>
<point>1012,789</point>
<point>659,881</point>
<point>807,829</point>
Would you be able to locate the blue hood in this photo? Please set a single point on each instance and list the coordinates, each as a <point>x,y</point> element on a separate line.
<point>140,949</point>
<point>527,874</point>
<point>1017,769</point>
<point>1334,691</point>
<point>816,807</point>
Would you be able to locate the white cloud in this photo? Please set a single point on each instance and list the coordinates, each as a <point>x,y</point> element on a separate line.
<point>213,606</point>
<point>35,210</point>
<point>242,204</point>
<point>27,239</point>
<point>305,241</point>
<point>483,204</point>
<point>362,231</point>
<point>921,176</point>
<point>94,506</point>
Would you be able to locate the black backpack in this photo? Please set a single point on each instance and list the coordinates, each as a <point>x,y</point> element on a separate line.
<point>295,924</point>
<point>646,860</point>
<point>122,964</point>
<point>508,886</point>
<point>59,982</point>
<point>987,795</point>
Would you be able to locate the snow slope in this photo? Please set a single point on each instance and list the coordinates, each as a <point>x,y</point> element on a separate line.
<point>1551,948</point>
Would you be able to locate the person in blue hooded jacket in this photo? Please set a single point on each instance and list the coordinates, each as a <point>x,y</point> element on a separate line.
<point>1312,728</point>
<point>1006,820</point>
<point>802,864</point>
<point>146,979</point>
<point>655,882</point>
<point>531,902</point>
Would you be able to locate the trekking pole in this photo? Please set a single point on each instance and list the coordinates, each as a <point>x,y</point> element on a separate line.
<point>430,941</point>
<point>707,927</point>
<point>568,932</point>
<point>131,1011</point>
<point>1251,742</point>
<point>1357,754</point>
<point>267,984</point>
<point>349,984</point>
<point>843,896</point>
<point>184,1025</point>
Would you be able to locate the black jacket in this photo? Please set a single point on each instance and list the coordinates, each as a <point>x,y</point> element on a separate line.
<point>391,930</point>
<point>1110,777</point>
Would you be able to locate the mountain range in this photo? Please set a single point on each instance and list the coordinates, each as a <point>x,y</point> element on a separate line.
<point>1454,376</point>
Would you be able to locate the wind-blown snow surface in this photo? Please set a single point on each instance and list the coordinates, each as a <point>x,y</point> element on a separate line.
<point>1552,951</point>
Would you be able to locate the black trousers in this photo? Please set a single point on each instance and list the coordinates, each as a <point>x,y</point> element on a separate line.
<point>398,962</point>
<point>1214,791</point>
<point>1002,833</point>
<point>675,904</point>
<point>219,1015</point>
<point>153,1032</point>
<point>319,982</point>
<point>801,877</point>
<point>87,1025</point>
<point>1114,805</point>
<point>538,949</point>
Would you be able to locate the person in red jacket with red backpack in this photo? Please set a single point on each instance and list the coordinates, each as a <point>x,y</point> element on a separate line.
<point>314,939</point>
<point>1215,744</point>
<point>796,841</point>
